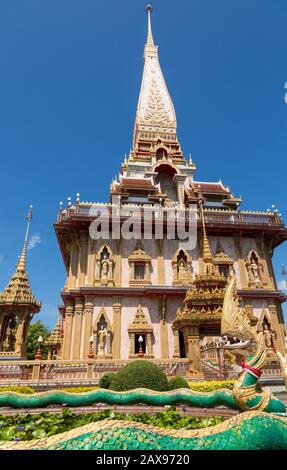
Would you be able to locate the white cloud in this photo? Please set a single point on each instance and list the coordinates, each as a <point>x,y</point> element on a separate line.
<point>34,240</point>
<point>282,285</point>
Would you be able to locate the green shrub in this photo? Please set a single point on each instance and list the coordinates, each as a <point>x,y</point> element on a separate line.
<point>177,382</point>
<point>211,385</point>
<point>18,389</point>
<point>105,380</point>
<point>140,374</point>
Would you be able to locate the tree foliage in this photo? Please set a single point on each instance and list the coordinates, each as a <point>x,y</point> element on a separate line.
<point>35,330</point>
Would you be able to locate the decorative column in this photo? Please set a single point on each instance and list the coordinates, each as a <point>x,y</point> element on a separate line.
<point>68,329</point>
<point>82,259</point>
<point>266,278</point>
<point>176,349</point>
<point>277,326</point>
<point>77,328</point>
<point>117,313</point>
<point>240,260</point>
<point>118,265</point>
<point>192,346</point>
<point>160,264</point>
<point>73,265</point>
<point>109,345</point>
<point>149,351</point>
<point>19,335</point>
<point>91,262</point>
<point>88,313</point>
<point>132,344</point>
<point>163,327</point>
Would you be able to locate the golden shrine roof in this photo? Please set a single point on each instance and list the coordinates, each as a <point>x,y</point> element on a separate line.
<point>57,336</point>
<point>18,292</point>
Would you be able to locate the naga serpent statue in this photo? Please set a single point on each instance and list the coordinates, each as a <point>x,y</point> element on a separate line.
<point>239,337</point>
<point>242,339</point>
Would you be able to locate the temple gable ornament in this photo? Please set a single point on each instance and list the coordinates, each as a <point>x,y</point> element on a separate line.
<point>140,267</point>
<point>140,327</point>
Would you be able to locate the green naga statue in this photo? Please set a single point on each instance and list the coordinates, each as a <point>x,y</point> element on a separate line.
<point>242,339</point>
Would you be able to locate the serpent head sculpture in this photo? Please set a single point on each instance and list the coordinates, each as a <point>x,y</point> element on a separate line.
<point>242,339</point>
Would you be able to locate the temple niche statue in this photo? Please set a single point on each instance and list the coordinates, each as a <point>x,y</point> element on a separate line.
<point>254,269</point>
<point>10,335</point>
<point>105,267</point>
<point>182,268</point>
<point>268,338</point>
<point>102,334</point>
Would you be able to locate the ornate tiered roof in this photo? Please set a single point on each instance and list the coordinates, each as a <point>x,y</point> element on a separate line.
<point>204,301</point>
<point>18,292</point>
<point>56,337</point>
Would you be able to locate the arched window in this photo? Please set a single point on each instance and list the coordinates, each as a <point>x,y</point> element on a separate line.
<point>161,154</point>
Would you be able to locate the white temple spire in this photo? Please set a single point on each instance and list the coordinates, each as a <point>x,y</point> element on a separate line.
<point>155,111</point>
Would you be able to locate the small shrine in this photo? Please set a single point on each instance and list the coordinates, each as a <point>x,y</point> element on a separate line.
<point>17,307</point>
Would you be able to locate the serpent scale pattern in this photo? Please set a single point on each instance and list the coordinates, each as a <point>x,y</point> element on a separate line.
<point>251,430</point>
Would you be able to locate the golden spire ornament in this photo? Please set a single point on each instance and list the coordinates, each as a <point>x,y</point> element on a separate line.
<point>21,266</point>
<point>149,34</point>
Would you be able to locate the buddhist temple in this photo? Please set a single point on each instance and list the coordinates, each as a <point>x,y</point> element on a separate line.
<point>151,294</point>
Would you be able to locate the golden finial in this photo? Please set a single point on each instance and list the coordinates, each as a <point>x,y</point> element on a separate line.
<point>149,34</point>
<point>21,266</point>
<point>207,256</point>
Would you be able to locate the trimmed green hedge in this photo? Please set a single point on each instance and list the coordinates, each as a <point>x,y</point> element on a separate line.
<point>105,380</point>
<point>177,382</point>
<point>139,374</point>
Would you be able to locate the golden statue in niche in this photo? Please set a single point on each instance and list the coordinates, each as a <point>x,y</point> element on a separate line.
<point>268,337</point>
<point>101,341</point>
<point>182,270</point>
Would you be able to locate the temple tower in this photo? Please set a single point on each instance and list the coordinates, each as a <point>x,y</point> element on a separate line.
<point>120,289</point>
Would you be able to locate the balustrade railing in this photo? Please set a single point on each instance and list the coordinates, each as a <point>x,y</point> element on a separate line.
<point>66,373</point>
<point>212,216</point>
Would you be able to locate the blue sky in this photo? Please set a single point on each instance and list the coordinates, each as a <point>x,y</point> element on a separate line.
<point>69,83</point>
